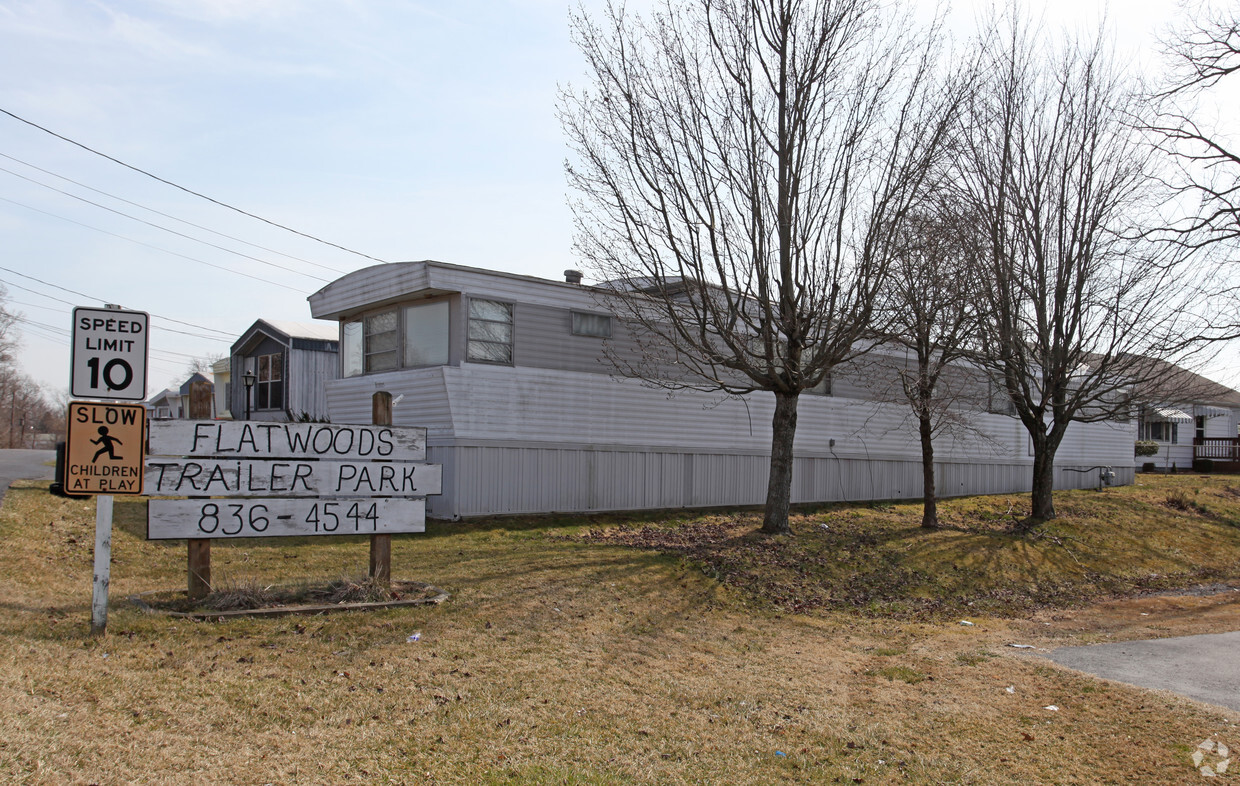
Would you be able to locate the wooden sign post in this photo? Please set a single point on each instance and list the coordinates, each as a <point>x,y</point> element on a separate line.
<point>381,544</point>
<point>248,479</point>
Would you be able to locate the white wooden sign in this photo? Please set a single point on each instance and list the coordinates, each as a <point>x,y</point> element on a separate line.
<point>254,479</point>
<point>248,478</point>
<point>250,439</point>
<point>108,356</point>
<point>172,519</point>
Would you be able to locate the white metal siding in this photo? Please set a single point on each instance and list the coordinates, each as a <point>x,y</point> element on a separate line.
<point>524,404</point>
<point>372,286</point>
<point>425,401</point>
<point>543,480</point>
<point>309,372</point>
<point>521,440</point>
<point>543,338</point>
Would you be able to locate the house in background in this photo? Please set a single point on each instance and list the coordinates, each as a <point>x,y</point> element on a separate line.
<point>221,370</point>
<point>524,414</point>
<point>164,405</point>
<point>193,400</point>
<point>1192,419</point>
<point>290,364</point>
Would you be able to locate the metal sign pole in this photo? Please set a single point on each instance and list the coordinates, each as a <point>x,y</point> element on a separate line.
<point>103,565</point>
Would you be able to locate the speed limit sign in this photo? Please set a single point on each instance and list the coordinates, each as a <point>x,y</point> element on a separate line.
<point>109,354</point>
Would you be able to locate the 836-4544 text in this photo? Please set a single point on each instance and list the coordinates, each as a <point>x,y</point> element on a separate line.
<point>262,518</point>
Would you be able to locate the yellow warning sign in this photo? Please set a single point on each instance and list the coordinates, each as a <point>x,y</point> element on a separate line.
<point>105,448</point>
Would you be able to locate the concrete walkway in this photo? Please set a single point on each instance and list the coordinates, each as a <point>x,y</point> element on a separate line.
<point>1206,668</point>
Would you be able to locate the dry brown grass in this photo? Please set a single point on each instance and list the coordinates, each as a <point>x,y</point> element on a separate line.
<point>556,661</point>
<point>876,559</point>
<point>252,594</point>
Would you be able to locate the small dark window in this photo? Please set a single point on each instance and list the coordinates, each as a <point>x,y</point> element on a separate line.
<point>490,332</point>
<point>597,325</point>
<point>1162,431</point>
<point>382,341</point>
<point>823,388</point>
<point>270,387</point>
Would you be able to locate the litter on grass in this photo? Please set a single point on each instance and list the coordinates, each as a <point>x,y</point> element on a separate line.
<point>414,637</point>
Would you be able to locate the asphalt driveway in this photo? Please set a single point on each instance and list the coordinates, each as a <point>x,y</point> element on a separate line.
<point>25,464</point>
<point>1206,667</point>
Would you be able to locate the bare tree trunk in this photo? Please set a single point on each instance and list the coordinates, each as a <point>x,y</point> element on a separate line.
<point>930,503</point>
<point>779,485</point>
<point>1043,483</point>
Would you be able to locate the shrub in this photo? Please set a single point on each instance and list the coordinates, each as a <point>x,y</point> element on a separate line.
<point>1146,447</point>
<point>1178,500</point>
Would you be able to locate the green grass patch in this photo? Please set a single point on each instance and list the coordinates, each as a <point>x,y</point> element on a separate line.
<point>973,658</point>
<point>902,673</point>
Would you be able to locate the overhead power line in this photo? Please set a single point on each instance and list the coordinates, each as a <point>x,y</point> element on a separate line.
<point>62,311</point>
<point>62,332</point>
<point>188,190</point>
<point>165,229</point>
<point>223,333</point>
<point>172,217</point>
<point>154,247</point>
<point>62,337</point>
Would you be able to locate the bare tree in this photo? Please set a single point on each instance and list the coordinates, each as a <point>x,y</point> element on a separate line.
<point>8,329</point>
<point>22,407</point>
<point>1065,187</point>
<point>932,308</point>
<point>1204,50</point>
<point>203,363</point>
<point>56,421</point>
<point>742,168</point>
<point>1200,54</point>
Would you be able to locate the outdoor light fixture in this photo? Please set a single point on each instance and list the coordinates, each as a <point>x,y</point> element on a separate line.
<point>248,380</point>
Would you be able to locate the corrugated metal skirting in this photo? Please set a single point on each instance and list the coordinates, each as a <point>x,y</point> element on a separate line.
<point>480,480</point>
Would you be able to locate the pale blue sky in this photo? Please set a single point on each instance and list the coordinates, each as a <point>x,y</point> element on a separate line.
<point>402,130</point>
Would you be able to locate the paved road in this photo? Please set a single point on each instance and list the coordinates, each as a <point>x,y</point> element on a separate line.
<point>16,464</point>
<point>1206,668</point>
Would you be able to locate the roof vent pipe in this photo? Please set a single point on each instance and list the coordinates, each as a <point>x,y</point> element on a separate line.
<point>572,276</point>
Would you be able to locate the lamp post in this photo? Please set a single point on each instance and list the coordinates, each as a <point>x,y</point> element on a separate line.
<point>248,379</point>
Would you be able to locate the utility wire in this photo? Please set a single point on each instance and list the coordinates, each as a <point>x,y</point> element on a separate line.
<point>34,305</point>
<point>156,248</point>
<point>58,336</point>
<point>165,229</point>
<point>62,312</point>
<point>224,333</point>
<point>172,217</point>
<point>60,331</point>
<point>187,190</point>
